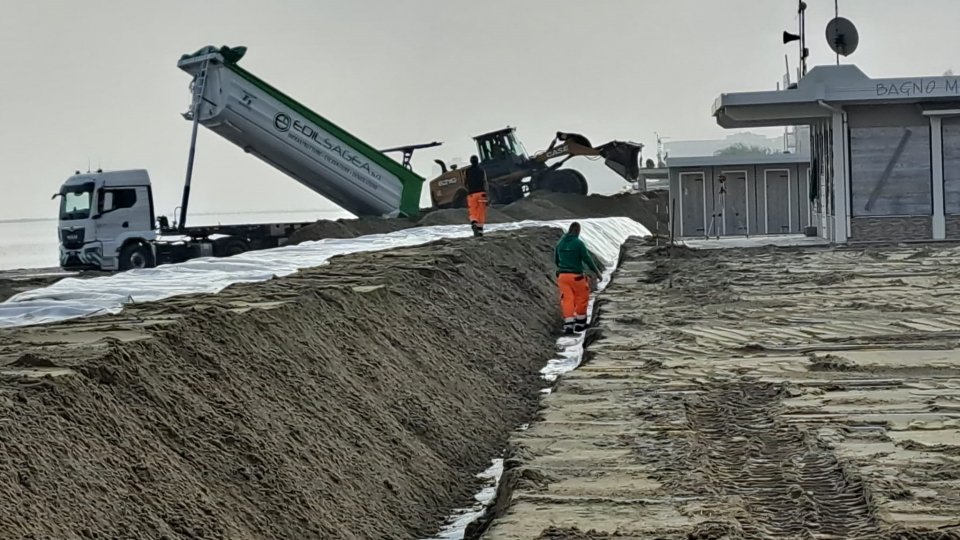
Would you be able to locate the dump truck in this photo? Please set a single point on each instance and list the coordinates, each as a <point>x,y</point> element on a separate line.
<point>245,110</point>
<point>108,221</point>
<point>512,174</point>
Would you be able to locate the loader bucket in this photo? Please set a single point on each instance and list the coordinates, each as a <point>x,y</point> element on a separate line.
<point>623,158</point>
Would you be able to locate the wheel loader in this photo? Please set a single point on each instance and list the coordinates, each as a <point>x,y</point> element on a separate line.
<point>511,173</point>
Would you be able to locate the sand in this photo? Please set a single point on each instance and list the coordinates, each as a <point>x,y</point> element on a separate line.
<point>357,400</point>
<point>16,281</point>
<point>740,394</point>
<point>649,209</point>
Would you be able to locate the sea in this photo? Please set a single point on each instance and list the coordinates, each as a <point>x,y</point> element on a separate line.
<point>32,243</point>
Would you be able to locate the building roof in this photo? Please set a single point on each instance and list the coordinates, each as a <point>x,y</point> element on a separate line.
<point>736,159</point>
<point>809,99</point>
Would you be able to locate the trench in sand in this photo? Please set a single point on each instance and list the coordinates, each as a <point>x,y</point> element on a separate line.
<point>127,364</point>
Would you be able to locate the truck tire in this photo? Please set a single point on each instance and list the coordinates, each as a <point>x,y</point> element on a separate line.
<point>235,247</point>
<point>136,256</point>
<point>563,181</point>
<point>230,247</point>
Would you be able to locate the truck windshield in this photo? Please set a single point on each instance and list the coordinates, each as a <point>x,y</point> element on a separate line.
<point>75,202</point>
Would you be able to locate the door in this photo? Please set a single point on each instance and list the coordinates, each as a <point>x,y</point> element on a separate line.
<point>123,211</point>
<point>692,195</point>
<point>733,194</point>
<point>776,184</point>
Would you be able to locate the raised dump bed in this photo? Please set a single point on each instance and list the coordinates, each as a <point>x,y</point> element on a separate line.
<point>249,112</point>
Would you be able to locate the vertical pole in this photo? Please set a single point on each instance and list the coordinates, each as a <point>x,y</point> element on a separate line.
<point>673,218</point>
<point>838,159</point>
<point>836,14</point>
<point>936,156</point>
<point>197,99</point>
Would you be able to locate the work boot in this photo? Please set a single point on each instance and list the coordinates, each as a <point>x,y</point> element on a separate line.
<point>580,324</point>
<point>475,227</point>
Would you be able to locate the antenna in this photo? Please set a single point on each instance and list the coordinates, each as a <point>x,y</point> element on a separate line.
<point>801,37</point>
<point>88,164</point>
<point>842,36</point>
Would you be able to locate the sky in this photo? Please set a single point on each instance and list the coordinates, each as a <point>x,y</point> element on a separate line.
<point>96,82</point>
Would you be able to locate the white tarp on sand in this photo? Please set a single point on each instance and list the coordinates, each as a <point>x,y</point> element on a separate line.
<point>72,297</point>
<point>569,357</point>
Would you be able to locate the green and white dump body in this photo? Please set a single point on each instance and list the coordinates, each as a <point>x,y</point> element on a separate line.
<point>282,132</point>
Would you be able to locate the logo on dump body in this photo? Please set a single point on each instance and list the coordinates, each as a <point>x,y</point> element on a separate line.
<point>282,122</point>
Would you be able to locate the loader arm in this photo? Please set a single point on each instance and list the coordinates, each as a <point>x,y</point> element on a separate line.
<point>621,157</point>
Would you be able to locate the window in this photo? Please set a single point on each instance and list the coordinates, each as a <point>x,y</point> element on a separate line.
<point>124,198</point>
<point>75,202</point>
<point>890,171</point>
<point>115,199</point>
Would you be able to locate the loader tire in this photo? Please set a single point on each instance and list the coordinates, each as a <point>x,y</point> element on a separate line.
<point>459,200</point>
<point>563,181</point>
<point>501,195</point>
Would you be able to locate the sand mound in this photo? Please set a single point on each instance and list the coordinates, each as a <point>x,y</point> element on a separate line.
<point>458,216</point>
<point>649,209</point>
<point>348,228</point>
<point>355,400</point>
<point>538,208</point>
<point>541,206</point>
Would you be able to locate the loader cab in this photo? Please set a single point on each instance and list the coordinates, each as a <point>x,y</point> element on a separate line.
<point>500,152</point>
<point>102,213</point>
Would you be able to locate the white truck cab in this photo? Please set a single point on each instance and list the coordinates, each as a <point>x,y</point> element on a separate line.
<point>107,221</point>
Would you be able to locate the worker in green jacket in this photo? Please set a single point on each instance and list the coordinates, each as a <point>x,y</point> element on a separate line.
<point>573,258</point>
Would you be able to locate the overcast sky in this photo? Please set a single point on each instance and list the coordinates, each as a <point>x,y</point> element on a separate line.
<point>97,79</point>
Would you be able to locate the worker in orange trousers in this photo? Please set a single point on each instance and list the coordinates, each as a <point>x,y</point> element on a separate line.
<point>477,198</point>
<point>572,259</point>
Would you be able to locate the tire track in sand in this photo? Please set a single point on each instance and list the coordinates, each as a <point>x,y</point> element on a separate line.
<point>790,485</point>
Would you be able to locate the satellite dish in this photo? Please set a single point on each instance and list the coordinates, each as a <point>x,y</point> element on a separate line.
<point>842,36</point>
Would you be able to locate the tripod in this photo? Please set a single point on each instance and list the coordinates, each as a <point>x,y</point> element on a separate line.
<point>722,199</point>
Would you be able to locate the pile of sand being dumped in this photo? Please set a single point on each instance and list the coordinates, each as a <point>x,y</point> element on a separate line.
<point>355,400</point>
<point>349,228</point>
<point>649,209</point>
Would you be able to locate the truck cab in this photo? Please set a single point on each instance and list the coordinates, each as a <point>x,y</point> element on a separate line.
<point>106,221</point>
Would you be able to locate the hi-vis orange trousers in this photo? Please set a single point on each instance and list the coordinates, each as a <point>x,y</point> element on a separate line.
<point>477,206</point>
<point>574,298</point>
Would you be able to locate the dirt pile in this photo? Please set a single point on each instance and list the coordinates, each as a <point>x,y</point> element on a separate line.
<point>13,282</point>
<point>356,400</point>
<point>649,209</point>
<point>349,228</point>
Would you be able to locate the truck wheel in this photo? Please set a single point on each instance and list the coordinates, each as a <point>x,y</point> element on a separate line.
<point>563,181</point>
<point>235,247</point>
<point>135,256</point>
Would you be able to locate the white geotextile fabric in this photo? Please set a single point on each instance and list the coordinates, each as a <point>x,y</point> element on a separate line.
<point>71,297</point>
<point>569,357</point>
